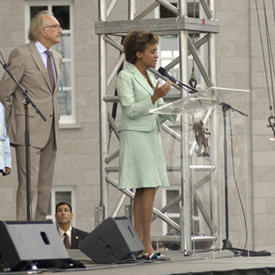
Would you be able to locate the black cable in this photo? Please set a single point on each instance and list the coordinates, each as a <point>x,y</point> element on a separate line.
<point>115,104</point>
<point>193,81</point>
<point>114,108</point>
<point>263,54</point>
<point>270,55</point>
<point>3,58</point>
<point>235,180</point>
<point>273,7</point>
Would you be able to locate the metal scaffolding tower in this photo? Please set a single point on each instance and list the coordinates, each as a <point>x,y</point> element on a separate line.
<point>181,25</point>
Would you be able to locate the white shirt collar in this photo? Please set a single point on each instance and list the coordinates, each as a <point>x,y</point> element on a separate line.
<point>61,232</point>
<point>41,48</point>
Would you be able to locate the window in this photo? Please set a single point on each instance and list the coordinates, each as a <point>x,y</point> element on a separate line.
<point>59,194</point>
<point>192,9</point>
<point>168,195</point>
<point>173,212</point>
<point>62,10</point>
<point>169,45</point>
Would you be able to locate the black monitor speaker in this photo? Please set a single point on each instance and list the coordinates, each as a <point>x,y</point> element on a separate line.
<point>114,240</point>
<point>31,245</point>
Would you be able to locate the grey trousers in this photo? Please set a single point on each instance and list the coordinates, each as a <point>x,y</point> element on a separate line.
<point>42,163</point>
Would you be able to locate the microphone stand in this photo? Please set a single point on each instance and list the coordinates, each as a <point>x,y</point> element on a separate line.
<point>178,84</point>
<point>26,102</point>
<point>183,85</point>
<point>226,242</point>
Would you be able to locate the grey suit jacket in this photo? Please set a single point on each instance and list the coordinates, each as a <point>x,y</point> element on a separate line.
<point>27,67</point>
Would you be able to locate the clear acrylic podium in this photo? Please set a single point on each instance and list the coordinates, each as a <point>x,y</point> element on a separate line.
<point>203,221</point>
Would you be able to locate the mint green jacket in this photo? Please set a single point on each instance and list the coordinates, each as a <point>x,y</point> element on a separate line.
<point>135,98</point>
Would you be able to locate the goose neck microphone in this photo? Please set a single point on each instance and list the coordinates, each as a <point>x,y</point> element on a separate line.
<point>163,72</point>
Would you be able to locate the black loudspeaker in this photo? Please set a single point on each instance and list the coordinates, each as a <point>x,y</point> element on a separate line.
<point>114,240</point>
<point>31,245</point>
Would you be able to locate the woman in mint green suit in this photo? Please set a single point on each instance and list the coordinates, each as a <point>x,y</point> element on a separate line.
<point>142,165</point>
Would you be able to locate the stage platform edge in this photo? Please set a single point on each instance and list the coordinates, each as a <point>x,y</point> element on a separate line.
<point>220,262</point>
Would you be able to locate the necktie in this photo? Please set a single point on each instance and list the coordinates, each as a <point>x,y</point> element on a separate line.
<point>50,69</point>
<point>66,241</point>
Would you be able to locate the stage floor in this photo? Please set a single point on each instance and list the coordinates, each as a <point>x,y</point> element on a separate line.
<point>223,262</point>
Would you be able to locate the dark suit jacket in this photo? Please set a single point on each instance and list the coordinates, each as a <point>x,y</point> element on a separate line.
<point>77,236</point>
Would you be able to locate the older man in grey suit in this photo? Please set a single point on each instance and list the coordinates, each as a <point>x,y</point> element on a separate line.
<point>37,67</point>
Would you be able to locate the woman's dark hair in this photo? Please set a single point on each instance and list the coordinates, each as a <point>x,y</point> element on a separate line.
<point>136,41</point>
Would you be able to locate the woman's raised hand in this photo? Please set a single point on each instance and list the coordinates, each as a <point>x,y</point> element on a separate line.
<point>161,91</point>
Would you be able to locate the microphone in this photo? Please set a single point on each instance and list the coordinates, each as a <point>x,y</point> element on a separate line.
<point>163,72</point>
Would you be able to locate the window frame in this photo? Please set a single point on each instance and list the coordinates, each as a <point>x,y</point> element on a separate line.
<point>196,218</point>
<point>164,202</point>
<point>53,201</point>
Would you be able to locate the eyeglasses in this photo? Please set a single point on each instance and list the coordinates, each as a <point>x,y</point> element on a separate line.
<point>56,27</point>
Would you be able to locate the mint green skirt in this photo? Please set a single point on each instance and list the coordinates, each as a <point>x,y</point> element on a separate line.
<point>141,162</point>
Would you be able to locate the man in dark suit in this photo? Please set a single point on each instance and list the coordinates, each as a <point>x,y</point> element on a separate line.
<point>36,66</point>
<point>71,236</point>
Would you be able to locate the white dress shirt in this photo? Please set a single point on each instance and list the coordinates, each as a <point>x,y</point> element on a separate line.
<point>5,152</point>
<point>41,49</point>
<point>68,232</point>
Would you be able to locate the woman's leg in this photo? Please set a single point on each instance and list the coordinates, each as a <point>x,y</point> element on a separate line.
<point>137,208</point>
<point>143,208</point>
<point>148,202</point>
